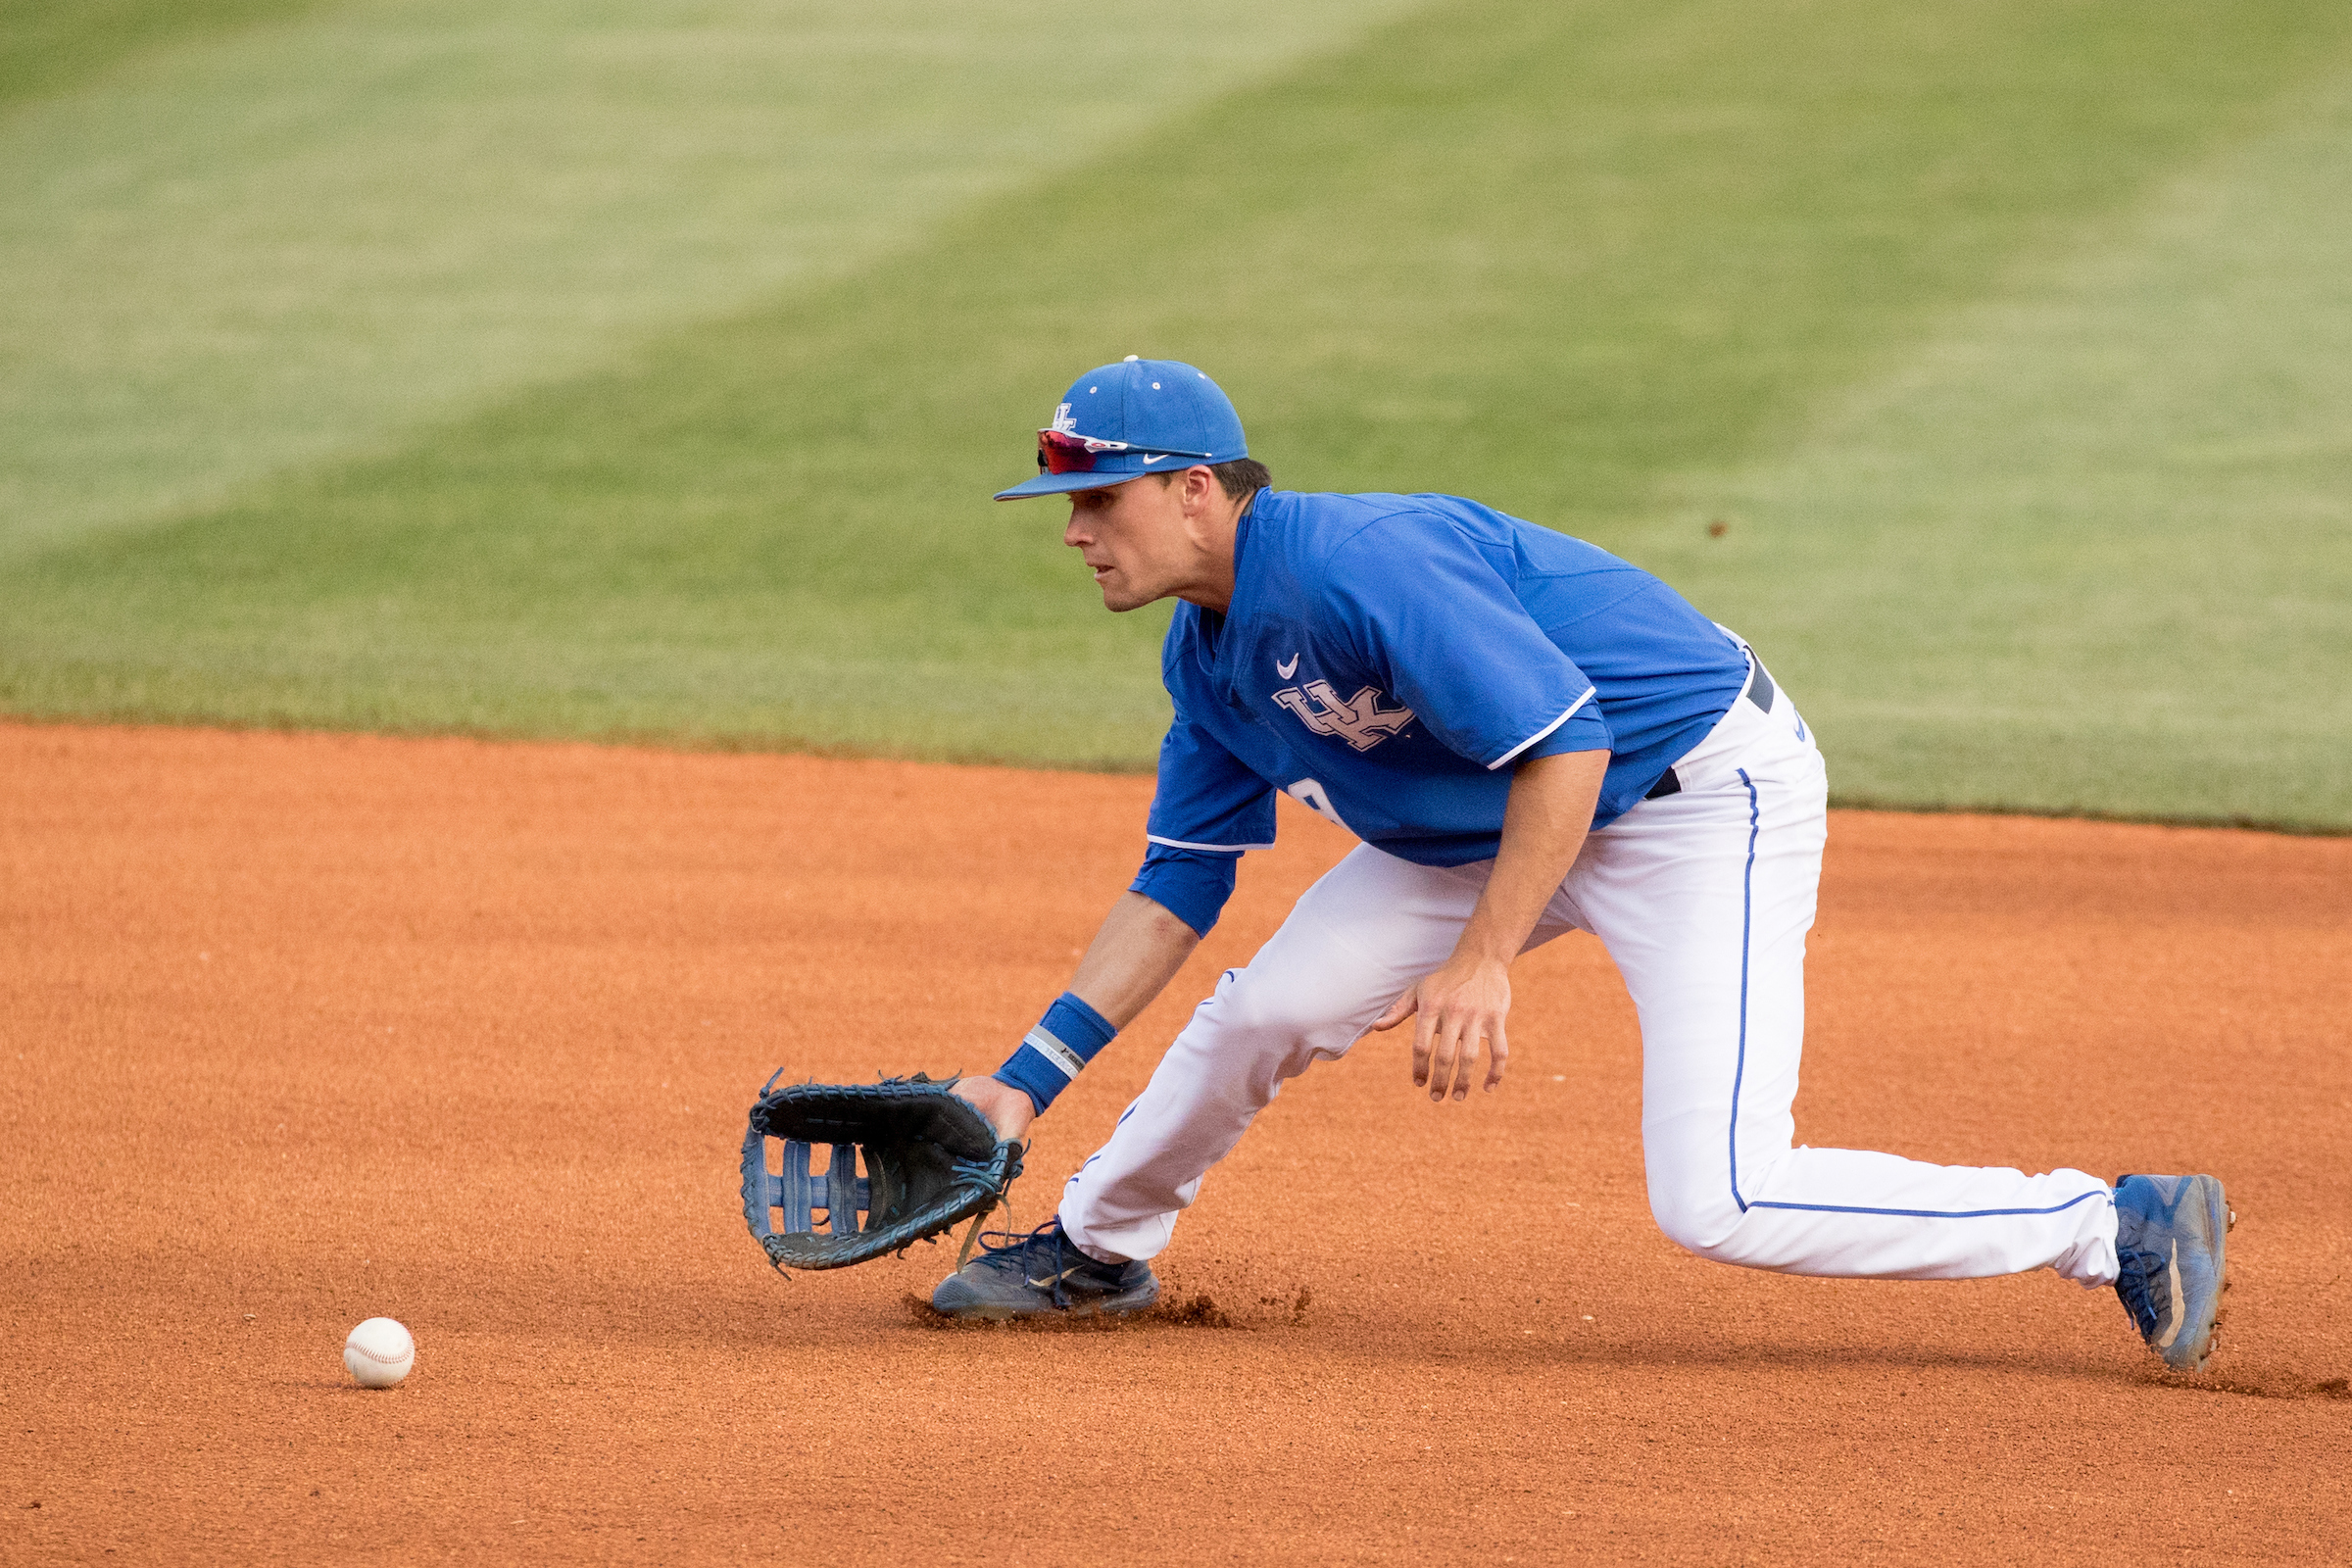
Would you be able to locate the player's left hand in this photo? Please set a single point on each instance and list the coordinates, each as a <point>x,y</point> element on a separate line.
<point>1007,1110</point>
<point>1458,1003</point>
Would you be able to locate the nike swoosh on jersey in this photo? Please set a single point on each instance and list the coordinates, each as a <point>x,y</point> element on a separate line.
<point>1285,671</point>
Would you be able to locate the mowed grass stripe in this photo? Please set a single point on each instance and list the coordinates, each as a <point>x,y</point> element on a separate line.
<point>279,245</point>
<point>2090,548</point>
<point>49,46</point>
<point>1549,256</point>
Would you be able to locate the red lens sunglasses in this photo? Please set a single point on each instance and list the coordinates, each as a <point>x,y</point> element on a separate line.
<point>1066,452</point>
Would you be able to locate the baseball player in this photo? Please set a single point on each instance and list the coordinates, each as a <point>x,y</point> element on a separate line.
<point>1529,736</point>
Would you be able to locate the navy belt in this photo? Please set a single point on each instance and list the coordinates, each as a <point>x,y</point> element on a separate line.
<point>1760,692</point>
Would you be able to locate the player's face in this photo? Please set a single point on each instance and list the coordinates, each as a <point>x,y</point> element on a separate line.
<point>1135,539</point>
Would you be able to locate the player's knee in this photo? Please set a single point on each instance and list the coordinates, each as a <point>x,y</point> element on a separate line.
<point>1693,1217</point>
<point>1274,1008</point>
<point>1276,1019</point>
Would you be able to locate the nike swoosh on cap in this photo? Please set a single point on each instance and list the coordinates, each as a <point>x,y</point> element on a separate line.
<point>1148,461</point>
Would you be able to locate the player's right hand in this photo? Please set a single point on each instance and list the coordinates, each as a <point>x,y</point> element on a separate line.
<point>1456,1005</point>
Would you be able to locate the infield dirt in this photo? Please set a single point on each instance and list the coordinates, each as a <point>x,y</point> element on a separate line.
<point>304,1029</point>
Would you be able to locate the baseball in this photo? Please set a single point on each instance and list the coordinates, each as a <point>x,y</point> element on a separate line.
<point>379,1353</point>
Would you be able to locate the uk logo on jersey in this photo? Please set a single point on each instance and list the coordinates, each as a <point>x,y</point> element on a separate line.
<point>1360,720</point>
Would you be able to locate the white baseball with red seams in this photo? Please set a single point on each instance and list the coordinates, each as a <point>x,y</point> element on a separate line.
<point>379,1353</point>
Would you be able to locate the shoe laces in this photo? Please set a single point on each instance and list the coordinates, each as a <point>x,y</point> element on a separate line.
<point>1048,1242</point>
<point>2139,1278</point>
<point>995,1243</point>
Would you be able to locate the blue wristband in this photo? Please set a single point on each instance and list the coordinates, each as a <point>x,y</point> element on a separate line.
<point>1071,1035</point>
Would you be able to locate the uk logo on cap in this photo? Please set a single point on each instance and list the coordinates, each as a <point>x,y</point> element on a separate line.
<point>1121,421</point>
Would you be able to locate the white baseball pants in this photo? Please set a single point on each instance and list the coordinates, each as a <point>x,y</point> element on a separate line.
<point>1702,899</point>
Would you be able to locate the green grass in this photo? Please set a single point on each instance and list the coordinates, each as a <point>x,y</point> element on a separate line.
<point>2089,547</point>
<point>250,248</point>
<point>2008,338</point>
<point>51,46</point>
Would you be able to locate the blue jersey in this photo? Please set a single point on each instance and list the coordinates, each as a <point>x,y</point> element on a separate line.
<point>1387,659</point>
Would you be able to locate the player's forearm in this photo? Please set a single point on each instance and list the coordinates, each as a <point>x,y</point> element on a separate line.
<point>1543,826</point>
<point>1134,955</point>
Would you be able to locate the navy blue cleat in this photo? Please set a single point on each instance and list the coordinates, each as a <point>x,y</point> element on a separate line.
<point>1040,1274</point>
<point>2168,1232</point>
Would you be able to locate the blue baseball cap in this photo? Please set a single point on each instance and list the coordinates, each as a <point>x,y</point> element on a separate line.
<point>1121,421</point>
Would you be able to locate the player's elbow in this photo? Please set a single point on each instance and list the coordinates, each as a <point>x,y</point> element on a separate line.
<point>1170,928</point>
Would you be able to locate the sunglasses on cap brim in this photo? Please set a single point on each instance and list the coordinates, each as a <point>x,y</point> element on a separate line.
<point>1067,451</point>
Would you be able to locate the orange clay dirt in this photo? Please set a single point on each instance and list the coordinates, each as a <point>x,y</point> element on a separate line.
<point>299,1030</point>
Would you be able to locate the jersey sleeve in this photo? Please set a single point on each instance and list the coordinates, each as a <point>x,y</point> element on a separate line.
<point>1428,609</point>
<point>1208,798</point>
<point>1208,808</point>
<point>1192,885</point>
